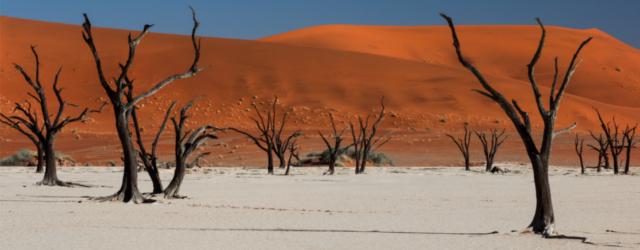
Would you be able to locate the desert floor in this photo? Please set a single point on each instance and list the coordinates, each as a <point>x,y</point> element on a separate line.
<point>386,208</point>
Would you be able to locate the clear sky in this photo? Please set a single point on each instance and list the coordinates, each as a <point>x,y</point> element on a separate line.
<point>250,19</point>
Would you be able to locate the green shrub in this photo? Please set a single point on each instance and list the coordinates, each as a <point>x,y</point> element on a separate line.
<point>20,158</point>
<point>25,157</point>
<point>346,155</point>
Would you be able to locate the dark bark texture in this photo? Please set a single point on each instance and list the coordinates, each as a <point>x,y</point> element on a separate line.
<point>579,147</point>
<point>123,101</point>
<point>543,221</point>
<point>185,144</point>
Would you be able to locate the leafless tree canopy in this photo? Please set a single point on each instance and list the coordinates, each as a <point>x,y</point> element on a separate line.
<point>123,100</point>
<point>543,221</point>
<point>602,150</point>
<point>332,143</point>
<point>614,136</point>
<point>490,146</point>
<point>270,138</point>
<point>365,140</point>
<point>463,145</point>
<point>40,124</point>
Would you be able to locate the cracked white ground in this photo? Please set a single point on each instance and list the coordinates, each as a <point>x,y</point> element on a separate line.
<point>387,208</point>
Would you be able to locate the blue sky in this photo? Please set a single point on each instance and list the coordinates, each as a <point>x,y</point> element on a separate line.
<point>250,19</point>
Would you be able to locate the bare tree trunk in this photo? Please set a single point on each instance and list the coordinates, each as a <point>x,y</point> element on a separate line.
<point>50,173</point>
<point>129,188</point>
<point>543,218</point>
<point>154,175</point>
<point>281,159</point>
<point>629,138</point>
<point>579,147</point>
<point>269,159</point>
<point>40,155</point>
<point>174,186</point>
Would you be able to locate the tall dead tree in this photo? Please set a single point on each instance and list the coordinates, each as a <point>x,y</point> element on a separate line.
<point>543,221</point>
<point>51,124</point>
<point>614,139</point>
<point>270,137</point>
<point>117,90</point>
<point>30,129</point>
<point>365,140</point>
<point>629,136</point>
<point>490,146</point>
<point>150,159</point>
<point>602,148</point>
<point>463,145</point>
<point>333,147</point>
<point>185,144</point>
<point>579,147</point>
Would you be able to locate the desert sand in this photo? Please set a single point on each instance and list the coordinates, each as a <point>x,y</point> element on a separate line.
<point>340,68</point>
<point>386,208</point>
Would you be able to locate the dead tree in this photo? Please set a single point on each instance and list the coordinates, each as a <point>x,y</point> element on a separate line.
<point>463,145</point>
<point>150,159</point>
<point>365,140</point>
<point>602,148</point>
<point>51,124</point>
<point>629,136</point>
<point>30,129</point>
<point>117,90</point>
<point>579,146</point>
<point>294,151</point>
<point>543,221</point>
<point>615,140</point>
<point>490,146</point>
<point>270,138</point>
<point>333,148</point>
<point>185,144</point>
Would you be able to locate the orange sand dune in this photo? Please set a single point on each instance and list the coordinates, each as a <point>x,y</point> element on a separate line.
<point>498,50</point>
<point>317,70</point>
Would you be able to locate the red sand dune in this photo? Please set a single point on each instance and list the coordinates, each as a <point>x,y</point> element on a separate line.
<point>342,68</point>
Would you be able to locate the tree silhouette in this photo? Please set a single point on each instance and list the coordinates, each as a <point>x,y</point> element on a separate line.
<point>543,221</point>
<point>123,106</point>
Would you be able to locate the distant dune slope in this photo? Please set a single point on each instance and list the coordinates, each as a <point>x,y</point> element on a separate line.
<point>609,73</point>
<point>342,68</point>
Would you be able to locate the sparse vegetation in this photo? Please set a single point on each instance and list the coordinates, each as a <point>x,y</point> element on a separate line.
<point>26,157</point>
<point>346,156</point>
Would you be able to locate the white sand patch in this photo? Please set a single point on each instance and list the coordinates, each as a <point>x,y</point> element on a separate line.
<point>387,208</point>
